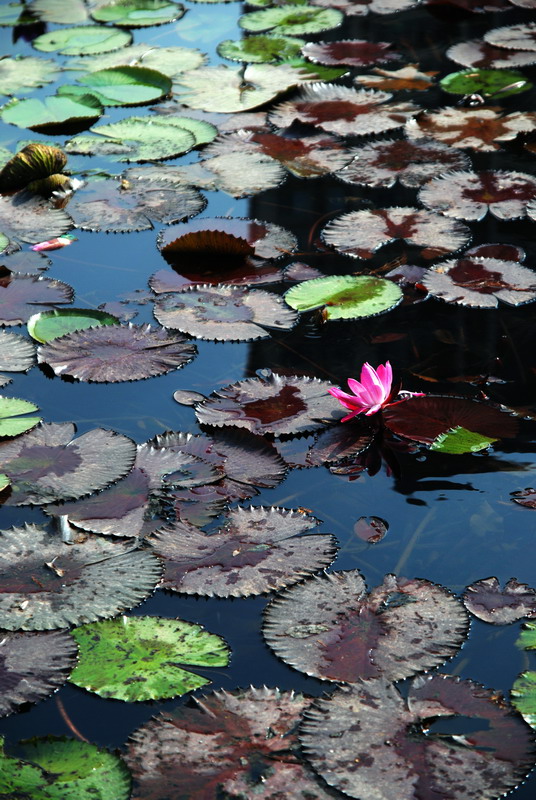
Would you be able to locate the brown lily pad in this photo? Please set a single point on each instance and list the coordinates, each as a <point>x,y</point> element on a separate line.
<point>487,601</point>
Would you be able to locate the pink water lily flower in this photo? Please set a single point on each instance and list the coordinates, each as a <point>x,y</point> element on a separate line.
<point>372,393</point>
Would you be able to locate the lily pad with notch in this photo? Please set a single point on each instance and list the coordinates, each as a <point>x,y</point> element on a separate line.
<point>11,421</point>
<point>487,601</point>
<point>331,628</point>
<point>145,658</point>
<point>345,296</point>
<point>481,282</point>
<point>56,114</point>
<point>49,584</point>
<point>47,325</point>
<point>22,295</point>
<point>82,41</point>
<point>486,82</point>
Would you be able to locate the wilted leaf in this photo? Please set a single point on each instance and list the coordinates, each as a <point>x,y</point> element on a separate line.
<point>144,658</point>
<point>292,21</point>
<point>31,163</point>
<point>82,41</point>
<point>49,584</point>
<point>32,666</point>
<point>27,218</point>
<point>24,73</point>
<point>17,354</point>
<point>116,353</point>
<point>480,129</point>
<point>342,110</point>
<point>514,37</point>
<point>487,601</point>
<point>481,282</point>
<point>386,746</point>
<point>54,114</point>
<point>275,404</point>
<point>138,13</point>
<point>360,233</point>
<point>480,54</point>
<point>260,49</point>
<point>331,628</point>
<point>126,85</point>
<point>258,550</point>
<point>408,77</point>
<point>354,52</point>
<point>242,743</point>
<point>459,440</point>
<point>486,82</point>
<point>381,163</point>
<point>49,325</point>
<point>11,423</point>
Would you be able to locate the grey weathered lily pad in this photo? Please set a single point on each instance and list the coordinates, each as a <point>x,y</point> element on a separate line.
<point>24,73</point>
<point>32,666</point>
<point>487,601</point>
<point>169,60</point>
<point>48,584</point>
<point>17,354</point>
<point>27,218</point>
<point>21,296</point>
<point>331,628</point>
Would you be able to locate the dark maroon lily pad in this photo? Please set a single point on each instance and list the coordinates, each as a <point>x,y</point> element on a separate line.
<point>354,52</point>
<point>473,6</point>
<point>481,129</point>
<point>21,296</point>
<point>224,313</point>
<point>360,233</point>
<point>46,583</point>
<point>240,744</point>
<point>386,747</point>
<point>513,37</point>
<point>487,601</point>
<point>423,419</point>
<point>381,163</point>
<point>275,404</point>
<point>339,443</point>
<point>470,195</point>
<point>371,529</point>
<point>119,206</point>
<point>17,354</point>
<point>28,262</point>
<point>32,666</point>
<point>481,282</point>
<point>116,353</point>
<point>504,252</point>
<point>344,111</point>
<point>331,628</point>
<point>27,218</point>
<point>258,550</point>
<point>166,280</point>
<point>525,497</point>
<point>480,54</point>
<point>48,464</point>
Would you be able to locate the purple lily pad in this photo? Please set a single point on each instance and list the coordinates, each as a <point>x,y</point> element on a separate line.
<point>525,497</point>
<point>470,195</point>
<point>371,529</point>
<point>339,443</point>
<point>17,354</point>
<point>488,602</point>
<point>27,218</point>
<point>513,37</point>
<point>481,282</point>
<point>481,129</point>
<point>354,52</point>
<point>21,296</point>
<point>504,252</point>
<point>329,627</point>
<point>116,353</point>
<point>27,262</point>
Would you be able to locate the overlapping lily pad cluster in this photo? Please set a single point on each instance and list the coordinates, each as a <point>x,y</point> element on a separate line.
<point>127,519</point>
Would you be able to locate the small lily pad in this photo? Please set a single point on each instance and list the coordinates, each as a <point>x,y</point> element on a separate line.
<point>459,440</point>
<point>486,82</point>
<point>345,296</point>
<point>11,422</point>
<point>50,324</point>
<point>138,13</point>
<point>82,41</point>
<point>142,658</point>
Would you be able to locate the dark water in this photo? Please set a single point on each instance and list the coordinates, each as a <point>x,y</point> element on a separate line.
<point>451,519</point>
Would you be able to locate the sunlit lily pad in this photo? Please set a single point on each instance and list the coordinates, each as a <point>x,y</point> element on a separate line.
<point>119,206</point>
<point>470,195</point>
<point>116,353</point>
<point>53,114</point>
<point>459,440</point>
<point>11,421</point>
<point>82,41</point>
<point>48,464</point>
<point>383,162</point>
<point>331,628</point>
<point>480,54</point>
<point>145,658</point>
<point>48,584</point>
<point>243,743</point>
<point>275,404</point>
<point>126,86</point>
<point>486,762</point>
<point>258,550</point>
<point>345,296</point>
<point>343,110</point>
<point>17,354</point>
<point>354,52</point>
<point>170,61</point>
<point>23,73</point>
<point>55,768</point>
<point>524,696</point>
<point>63,12</point>
<point>13,14</point>
<point>32,666</point>
<point>481,129</point>
<point>260,49</point>
<point>138,13</point>
<point>486,82</point>
<point>28,218</point>
<point>360,233</point>
<point>236,165</point>
<point>49,325</point>
<point>224,313</point>
<point>487,601</point>
<point>481,282</point>
<point>293,20</point>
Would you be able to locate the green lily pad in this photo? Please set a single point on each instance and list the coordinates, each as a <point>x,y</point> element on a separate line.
<point>57,768</point>
<point>345,296</point>
<point>317,72</point>
<point>527,637</point>
<point>53,113</point>
<point>144,138</point>
<point>50,324</point>
<point>82,40</point>
<point>4,241</point>
<point>11,424</point>
<point>261,49</point>
<point>460,440</point>
<point>292,20</point>
<point>171,61</point>
<point>4,481</point>
<point>138,658</point>
<point>523,696</point>
<point>139,13</point>
<point>13,14</point>
<point>486,82</point>
<point>124,86</point>
<point>62,12</point>
<point>23,73</point>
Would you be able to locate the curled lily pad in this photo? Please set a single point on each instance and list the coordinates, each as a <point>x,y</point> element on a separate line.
<point>48,584</point>
<point>27,218</point>
<point>49,325</point>
<point>32,666</point>
<point>292,20</point>
<point>49,464</point>
<point>481,282</point>
<point>145,658</point>
<point>31,163</point>
<point>488,602</point>
<point>17,354</point>
<point>138,13</point>
<point>354,52</point>
<point>82,41</point>
<point>273,404</point>
<point>331,628</point>
<point>126,85</point>
<point>258,550</point>
<point>481,129</point>
<point>55,114</point>
<point>116,353</point>
<point>119,206</point>
<point>260,49</point>
<point>22,295</point>
<point>360,233</point>
<point>224,313</point>
<point>486,82</point>
<point>345,296</point>
<point>410,759</point>
<point>11,423</point>
<point>24,73</point>
<point>243,743</point>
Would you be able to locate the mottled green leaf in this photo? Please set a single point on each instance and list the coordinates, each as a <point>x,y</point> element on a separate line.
<point>292,20</point>
<point>345,296</point>
<point>261,49</point>
<point>460,440</point>
<point>84,40</point>
<point>486,82</point>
